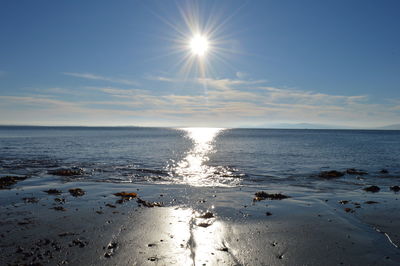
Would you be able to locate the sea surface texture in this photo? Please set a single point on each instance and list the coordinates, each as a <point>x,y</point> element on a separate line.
<point>198,196</point>
<point>199,156</point>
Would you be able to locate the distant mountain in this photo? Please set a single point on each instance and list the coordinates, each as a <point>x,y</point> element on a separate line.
<point>391,127</point>
<point>302,126</point>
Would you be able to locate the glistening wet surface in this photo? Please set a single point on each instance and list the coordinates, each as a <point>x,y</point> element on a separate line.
<point>198,196</point>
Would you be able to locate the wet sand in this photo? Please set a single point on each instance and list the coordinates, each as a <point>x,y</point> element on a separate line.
<point>196,225</point>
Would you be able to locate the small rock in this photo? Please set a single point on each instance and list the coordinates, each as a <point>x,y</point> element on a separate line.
<point>225,249</point>
<point>343,201</point>
<point>59,200</point>
<point>268,213</point>
<point>79,243</point>
<point>205,225</point>
<point>330,174</point>
<point>206,215</point>
<point>372,189</point>
<point>395,188</point>
<point>30,200</point>
<point>7,181</point>
<point>110,205</point>
<point>353,171</point>
<point>149,204</point>
<point>111,249</point>
<point>76,192</point>
<point>384,171</point>
<point>59,208</point>
<point>371,202</point>
<point>349,210</point>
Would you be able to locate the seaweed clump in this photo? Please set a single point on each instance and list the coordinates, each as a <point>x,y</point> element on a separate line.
<point>53,191</point>
<point>395,188</point>
<point>330,174</point>
<point>261,195</point>
<point>125,196</point>
<point>149,204</point>
<point>353,171</point>
<point>7,181</point>
<point>67,172</point>
<point>372,189</point>
<point>76,192</point>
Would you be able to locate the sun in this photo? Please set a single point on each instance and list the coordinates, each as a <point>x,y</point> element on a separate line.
<point>199,45</point>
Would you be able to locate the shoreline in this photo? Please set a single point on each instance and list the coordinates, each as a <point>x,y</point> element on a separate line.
<point>312,227</point>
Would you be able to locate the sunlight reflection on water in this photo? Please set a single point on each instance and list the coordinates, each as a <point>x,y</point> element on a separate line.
<point>193,168</point>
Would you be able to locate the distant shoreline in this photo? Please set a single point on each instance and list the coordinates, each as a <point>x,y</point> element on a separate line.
<point>143,127</point>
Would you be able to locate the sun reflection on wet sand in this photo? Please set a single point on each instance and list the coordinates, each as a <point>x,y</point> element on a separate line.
<point>205,244</point>
<point>193,168</point>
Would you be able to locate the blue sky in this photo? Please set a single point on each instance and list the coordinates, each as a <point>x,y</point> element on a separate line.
<point>269,62</point>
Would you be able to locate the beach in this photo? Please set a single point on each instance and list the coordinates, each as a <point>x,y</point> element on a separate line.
<point>61,214</point>
<point>309,228</point>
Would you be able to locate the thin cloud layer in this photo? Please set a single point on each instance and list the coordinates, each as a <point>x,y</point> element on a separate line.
<point>102,78</point>
<point>211,102</point>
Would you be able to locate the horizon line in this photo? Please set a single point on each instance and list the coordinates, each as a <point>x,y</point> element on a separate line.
<point>175,127</point>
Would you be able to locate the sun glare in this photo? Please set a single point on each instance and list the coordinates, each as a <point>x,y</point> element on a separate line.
<point>199,45</point>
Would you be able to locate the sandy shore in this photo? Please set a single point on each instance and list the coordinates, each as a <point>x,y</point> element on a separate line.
<point>196,226</point>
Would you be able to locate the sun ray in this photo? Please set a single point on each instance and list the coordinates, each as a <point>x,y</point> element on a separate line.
<point>201,41</point>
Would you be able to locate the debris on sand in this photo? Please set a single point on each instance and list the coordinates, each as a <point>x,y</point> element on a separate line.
<point>30,200</point>
<point>395,188</point>
<point>26,221</point>
<point>372,189</point>
<point>206,215</point>
<point>353,171</point>
<point>60,200</point>
<point>126,194</point>
<point>53,191</point>
<point>78,242</point>
<point>67,172</point>
<point>59,208</point>
<point>205,225</point>
<point>7,181</point>
<point>371,202</point>
<point>111,249</point>
<point>66,234</point>
<point>149,204</point>
<point>76,192</point>
<point>330,174</point>
<point>261,195</point>
<point>349,210</point>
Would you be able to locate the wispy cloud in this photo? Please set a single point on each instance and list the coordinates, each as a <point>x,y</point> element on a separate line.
<point>224,102</point>
<point>228,84</point>
<point>103,78</point>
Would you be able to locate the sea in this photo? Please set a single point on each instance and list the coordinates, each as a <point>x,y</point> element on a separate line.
<point>204,157</point>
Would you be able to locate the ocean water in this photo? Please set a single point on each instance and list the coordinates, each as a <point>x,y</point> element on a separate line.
<point>200,156</point>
